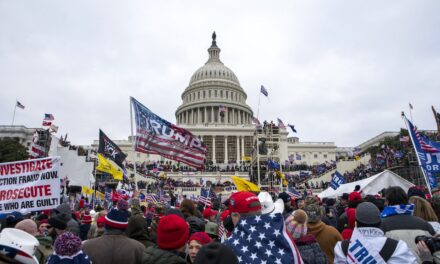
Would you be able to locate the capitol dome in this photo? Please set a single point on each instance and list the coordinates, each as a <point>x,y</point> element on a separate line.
<point>214,95</point>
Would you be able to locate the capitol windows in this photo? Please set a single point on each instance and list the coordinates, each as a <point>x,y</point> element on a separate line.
<point>204,94</point>
<point>209,93</point>
<point>325,156</point>
<point>215,93</point>
<point>198,95</point>
<point>315,156</point>
<point>221,93</point>
<point>227,94</point>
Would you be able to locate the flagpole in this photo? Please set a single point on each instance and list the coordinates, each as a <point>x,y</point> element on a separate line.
<point>258,108</point>
<point>133,150</point>
<point>410,112</point>
<point>417,155</point>
<point>13,116</point>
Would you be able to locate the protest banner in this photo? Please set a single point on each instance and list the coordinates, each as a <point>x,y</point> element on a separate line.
<point>29,184</point>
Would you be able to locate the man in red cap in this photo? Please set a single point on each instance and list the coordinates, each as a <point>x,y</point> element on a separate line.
<point>209,214</point>
<point>243,204</point>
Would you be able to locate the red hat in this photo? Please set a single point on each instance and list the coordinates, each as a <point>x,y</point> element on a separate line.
<point>244,202</point>
<point>224,214</point>
<point>208,212</point>
<point>86,219</point>
<point>101,221</point>
<point>354,196</point>
<point>172,232</point>
<point>200,237</point>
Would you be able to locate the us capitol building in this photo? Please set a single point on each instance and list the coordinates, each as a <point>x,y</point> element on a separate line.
<point>214,108</point>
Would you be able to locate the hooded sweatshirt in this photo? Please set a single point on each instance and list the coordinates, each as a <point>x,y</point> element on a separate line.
<point>327,237</point>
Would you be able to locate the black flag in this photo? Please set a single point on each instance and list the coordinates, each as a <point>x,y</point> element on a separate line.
<point>110,150</point>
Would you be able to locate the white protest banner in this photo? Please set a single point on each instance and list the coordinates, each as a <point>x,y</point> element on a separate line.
<point>29,184</point>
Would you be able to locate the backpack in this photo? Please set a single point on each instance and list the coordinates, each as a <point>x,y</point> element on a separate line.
<point>386,252</point>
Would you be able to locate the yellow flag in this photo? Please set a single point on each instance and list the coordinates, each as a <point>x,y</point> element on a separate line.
<point>282,177</point>
<point>244,185</point>
<point>100,195</point>
<point>357,158</point>
<point>246,158</point>
<point>106,166</point>
<point>87,190</point>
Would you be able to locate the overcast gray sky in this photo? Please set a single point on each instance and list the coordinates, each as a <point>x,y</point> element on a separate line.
<point>339,71</point>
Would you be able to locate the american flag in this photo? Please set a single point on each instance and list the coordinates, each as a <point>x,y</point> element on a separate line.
<point>38,148</point>
<point>263,239</point>
<point>205,197</point>
<point>48,117</point>
<point>281,124</point>
<point>222,109</point>
<point>256,121</point>
<point>424,143</point>
<point>293,193</point>
<point>19,105</point>
<point>264,91</point>
<point>155,135</point>
<point>47,123</point>
<point>221,232</point>
<point>151,198</point>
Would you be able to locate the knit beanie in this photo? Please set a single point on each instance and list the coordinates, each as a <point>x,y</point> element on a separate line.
<point>101,221</point>
<point>296,224</point>
<point>67,249</point>
<point>172,232</point>
<point>117,218</point>
<point>216,253</point>
<point>200,237</point>
<point>67,244</point>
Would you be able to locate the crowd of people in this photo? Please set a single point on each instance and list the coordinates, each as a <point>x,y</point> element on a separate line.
<point>392,226</point>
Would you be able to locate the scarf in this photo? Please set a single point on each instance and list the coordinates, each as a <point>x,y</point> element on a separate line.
<point>359,241</point>
<point>402,209</point>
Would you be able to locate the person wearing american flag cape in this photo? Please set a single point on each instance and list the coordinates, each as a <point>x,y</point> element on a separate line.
<point>259,238</point>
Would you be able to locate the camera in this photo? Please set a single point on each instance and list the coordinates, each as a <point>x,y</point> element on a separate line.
<point>433,243</point>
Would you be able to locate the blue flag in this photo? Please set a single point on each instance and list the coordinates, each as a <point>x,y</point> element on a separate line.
<point>273,165</point>
<point>428,153</point>
<point>264,91</point>
<point>337,180</point>
<point>263,239</point>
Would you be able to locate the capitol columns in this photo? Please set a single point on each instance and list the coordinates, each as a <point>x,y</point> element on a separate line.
<point>226,149</point>
<point>213,150</point>
<point>238,150</point>
<point>242,146</point>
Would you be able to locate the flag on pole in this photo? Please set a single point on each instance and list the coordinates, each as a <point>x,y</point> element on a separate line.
<point>427,154</point>
<point>19,105</point>
<point>105,165</point>
<point>155,135</point>
<point>47,123</point>
<point>281,124</point>
<point>204,197</point>
<point>264,91</point>
<point>337,180</point>
<point>256,121</point>
<point>48,117</point>
<point>293,193</point>
<point>110,150</point>
<point>410,106</point>
<point>293,128</point>
<point>222,109</point>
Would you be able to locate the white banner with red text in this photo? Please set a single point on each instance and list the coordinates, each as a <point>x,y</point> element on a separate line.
<point>31,185</point>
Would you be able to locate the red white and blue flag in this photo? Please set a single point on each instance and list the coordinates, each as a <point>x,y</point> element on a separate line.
<point>427,153</point>
<point>281,124</point>
<point>155,135</point>
<point>293,193</point>
<point>263,239</point>
<point>205,197</point>
<point>48,117</point>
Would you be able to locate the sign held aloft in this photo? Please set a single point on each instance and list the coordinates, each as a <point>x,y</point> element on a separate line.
<point>29,184</point>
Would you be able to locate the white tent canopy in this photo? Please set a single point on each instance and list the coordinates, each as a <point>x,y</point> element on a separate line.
<point>371,185</point>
